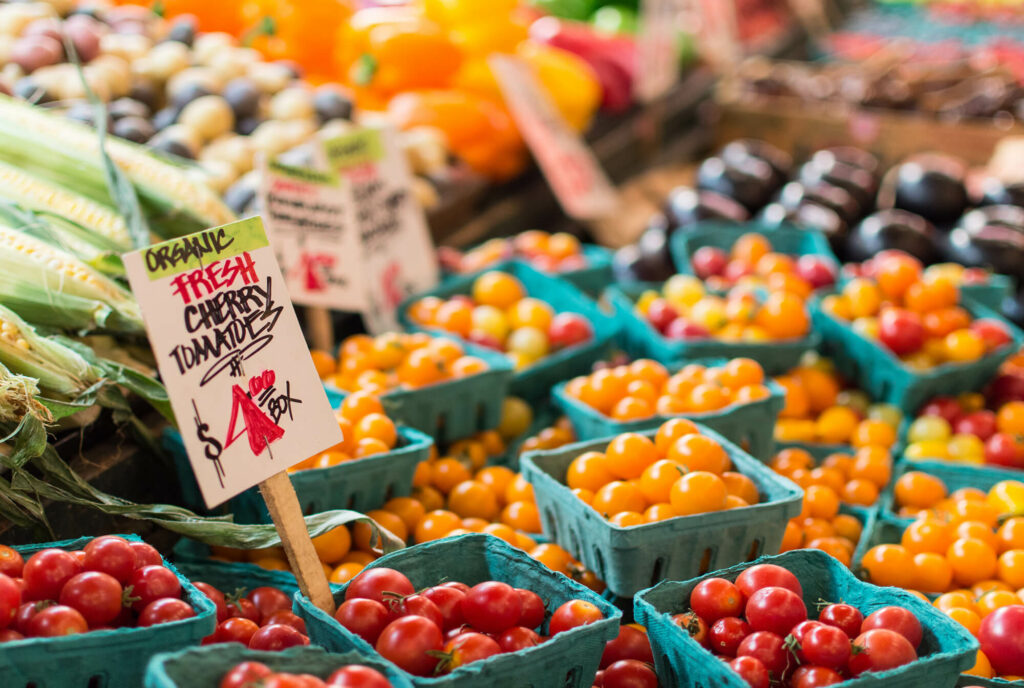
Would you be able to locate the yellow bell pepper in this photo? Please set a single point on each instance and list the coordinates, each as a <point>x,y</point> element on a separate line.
<point>571,82</point>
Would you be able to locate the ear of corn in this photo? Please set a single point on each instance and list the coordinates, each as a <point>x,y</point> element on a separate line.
<point>66,153</point>
<point>57,368</point>
<point>107,226</point>
<point>29,260</point>
<point>18,398</point>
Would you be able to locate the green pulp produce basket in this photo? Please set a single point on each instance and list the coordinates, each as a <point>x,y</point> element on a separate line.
<point>641,340</point>
<point>946,648</point>
<point>535,382</point>
<point>229,576</point>
<point>568,660</point>
<point>359,484</point>
<point>451,409</point>
<point>992,294</point>
<point>101,659</point>
<point>749,425</point>
<point>788,240</point>
<point>591,279</point>
<point>882,375</point>
<point>633,558</point>
<point>204,667</point>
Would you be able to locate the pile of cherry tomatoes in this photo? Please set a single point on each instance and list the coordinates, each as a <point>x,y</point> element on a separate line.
<point>259,675</point>
<point>260,619</point>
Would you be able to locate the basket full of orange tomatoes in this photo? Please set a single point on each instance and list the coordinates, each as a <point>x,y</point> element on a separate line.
<point>669,503</point>
<point>733,397</point>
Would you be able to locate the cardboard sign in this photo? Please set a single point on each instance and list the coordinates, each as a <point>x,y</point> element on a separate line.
<point>232,356</point>
<point>310,218</point>
<point>657,56</point>
<point>572,171</point>
<point>397,254</point>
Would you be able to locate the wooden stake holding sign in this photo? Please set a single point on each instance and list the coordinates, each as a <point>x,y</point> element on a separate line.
<point>239,375</point>
<point>572,171</point>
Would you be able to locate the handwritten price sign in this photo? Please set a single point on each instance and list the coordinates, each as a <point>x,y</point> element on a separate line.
<point>310,217</point>
<point>657,55</point>
<point>232,355</point>
<point>572,171</point>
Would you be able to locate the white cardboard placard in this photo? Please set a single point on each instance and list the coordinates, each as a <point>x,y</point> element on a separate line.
<point>397,252</point>
<point>232,356</point>
<point>572,171</point>
<point>657,56</point>
<point>310,218</point>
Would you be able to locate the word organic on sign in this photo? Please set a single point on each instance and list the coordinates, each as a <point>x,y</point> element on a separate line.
<point>311,220</point>
<point>396,249</point>
<point>232,355</point>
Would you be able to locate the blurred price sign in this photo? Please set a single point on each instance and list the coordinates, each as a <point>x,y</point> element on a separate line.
<point>568,164</point>
<point>813,14</point>
<point>718,38</point>
<point>656,44</point>
<point>396,251</point>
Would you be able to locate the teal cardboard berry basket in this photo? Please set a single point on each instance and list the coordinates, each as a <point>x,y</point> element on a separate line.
<point>992,294</point>
<point>749,425</point>
<point>107,659</point>
<point>359,484</point>
<point>204,667</point>
<point>946,648</point>
<point>569,659</point>
<point>722,235</point>
<point>882,375</point>
<point>535,382</point>
<point>591,279</point>
<point>451,409</point>
<point>639,338</point>
<point>630,559</point>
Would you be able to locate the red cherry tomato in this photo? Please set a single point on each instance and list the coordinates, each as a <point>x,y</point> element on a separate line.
<point>715,598</point>
<point>355,676</point>
<point>215,596</point>
<point>267,600</point>
<point>165,610</point>
<point>630,643</point>
<point>492,607</point>
<point>236,629</point>
<point>449,603</point>
<point>408,642</point>
<point>288,619</point>
<point>1000,638</point>
<point>519,638</point>
<point>766,576</point>
<point>801,629</point>
<point>150,583</point>
<point>468,648</point>
<point>630,673</point>
<point>532,610</point>
<point>96,595</point>
<point>814,677</point>
<point>569,329</point>
<point>366,618</point>
<point>455,584</point>
<point>245,674</point>
<point>9,634</point>
<point>844,617</point>
<point>145,554</point>
<point>880,649</point>
<point>902,331</point>
<point>373,583</point>
<point>725,635</point>
<point>825,646</point>
<point>413,605</point>
<point>769,649</point>
<point>776,610</point>
<point>752,671</point>
<point>46,572</point>
<point>56,621</point>
<point>11,562</point>
<point>694,625</point>
<point>277,637</point>
<point>10,600</point>
<point>896,619</point>
<point>572,614</point>
<point>25,613</point>
<point>243,608</point>
<point>111,555</point>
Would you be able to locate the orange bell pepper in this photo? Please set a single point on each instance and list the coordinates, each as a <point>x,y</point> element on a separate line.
<point>479,131</point>
<point>211,16</point>
<point>297,30</point>
<point>390,50</point>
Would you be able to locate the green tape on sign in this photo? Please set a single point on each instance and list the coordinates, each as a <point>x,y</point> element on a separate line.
<point>202,248</point>
<point>357,148</point>
<point>305,174</point>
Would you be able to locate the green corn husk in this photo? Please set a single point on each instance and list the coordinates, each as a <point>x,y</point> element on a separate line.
<point>67,154</point>
<point>57,368</point>
<point>35,272</point>
<point>18,398</point>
